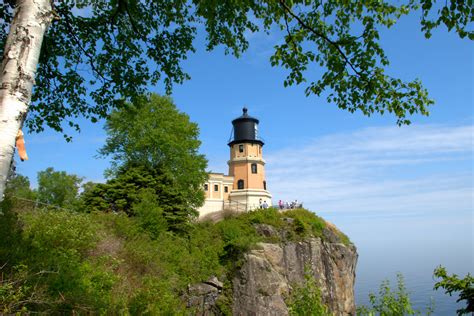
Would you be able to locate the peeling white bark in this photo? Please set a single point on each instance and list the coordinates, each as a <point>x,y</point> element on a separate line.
<point>17,74</point>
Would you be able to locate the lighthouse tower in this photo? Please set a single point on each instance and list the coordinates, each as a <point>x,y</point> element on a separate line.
<point>246,164</point>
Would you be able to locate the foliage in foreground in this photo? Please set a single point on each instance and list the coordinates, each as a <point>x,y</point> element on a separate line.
<point>452,284</point>
<point>305,299</point>
<point>390,302</point>
<point>59,261</point>
<point>56,261</point>
<point>126,46</point>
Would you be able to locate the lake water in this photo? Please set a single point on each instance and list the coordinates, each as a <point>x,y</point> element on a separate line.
<point>414,246</point>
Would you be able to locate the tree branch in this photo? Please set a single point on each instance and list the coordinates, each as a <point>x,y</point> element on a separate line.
<point>78,43</point>
<point>321,35</point>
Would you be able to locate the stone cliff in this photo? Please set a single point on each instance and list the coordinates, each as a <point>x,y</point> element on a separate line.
<point>269,272</point>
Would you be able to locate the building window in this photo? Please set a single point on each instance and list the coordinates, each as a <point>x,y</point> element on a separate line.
<point>226,189</point>
<point>206,187</point>
<point>254,168</point>
<point>264,185</point>
<point>240,184</point>
<point>216,187</point>
<point>241,148</point>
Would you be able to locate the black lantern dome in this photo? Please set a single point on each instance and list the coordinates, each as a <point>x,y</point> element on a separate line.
<point>245,130</point>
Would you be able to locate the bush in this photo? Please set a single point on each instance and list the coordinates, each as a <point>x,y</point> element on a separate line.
<point>306,222</point>
<point>14,292</point>
<point>390,302</point>
<point>305,299</point>
<point>238,237</point>
<point>150,214</point>
<point>452,284</point>
<point>270,216</point>
<point>61,262</point>
<point>155,297</point>
<point>55,232</point>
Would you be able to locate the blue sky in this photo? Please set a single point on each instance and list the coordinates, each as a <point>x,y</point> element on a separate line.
<point>367,175</point>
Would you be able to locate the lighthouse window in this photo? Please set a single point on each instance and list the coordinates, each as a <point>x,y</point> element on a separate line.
<point>264,185</point>
<point>240,184</point>
<point>206,187</point>
<point>241,148</point>
<point>254,168</point>
<point>216,187</point>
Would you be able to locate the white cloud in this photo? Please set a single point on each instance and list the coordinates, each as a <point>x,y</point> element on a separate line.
<point>379,170</point>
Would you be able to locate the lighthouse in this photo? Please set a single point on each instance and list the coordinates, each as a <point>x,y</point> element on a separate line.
<point>245,187</point>
<point>246,164</point>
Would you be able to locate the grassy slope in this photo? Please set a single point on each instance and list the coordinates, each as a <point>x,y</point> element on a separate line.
<point>59,262</point>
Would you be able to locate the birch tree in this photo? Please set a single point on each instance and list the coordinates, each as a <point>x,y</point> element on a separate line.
<point>97,55</point>
<point>20,59</point>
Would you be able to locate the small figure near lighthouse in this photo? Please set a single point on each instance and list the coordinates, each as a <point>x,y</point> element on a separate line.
<point>245,186</point>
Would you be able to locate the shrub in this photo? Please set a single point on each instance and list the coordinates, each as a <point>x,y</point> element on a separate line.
<point>58,242</point>
<point>452,284</point>
<point>238,237</point>
<point>390,302</point>
<point>270,216</point>
<point>111,263</point>
<point>55,232</point>
<point>306,222</point>
<point>15,292</point>
<point>155,297</point>
<point>150,214</point>
<point>305,299</point>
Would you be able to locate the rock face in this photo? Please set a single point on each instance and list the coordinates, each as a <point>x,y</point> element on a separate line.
<point>268,273</point>
<point>202,297</point>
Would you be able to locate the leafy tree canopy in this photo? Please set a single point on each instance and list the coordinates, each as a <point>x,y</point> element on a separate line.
<point>58,188</point>
<point>98,54</point>
<point>153,134</point>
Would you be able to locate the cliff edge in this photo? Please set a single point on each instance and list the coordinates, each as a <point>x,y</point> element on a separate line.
<point>268,273</point>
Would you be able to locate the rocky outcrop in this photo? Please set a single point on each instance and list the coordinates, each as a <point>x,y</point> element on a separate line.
<point>202,297</point>
<point>269,272</point>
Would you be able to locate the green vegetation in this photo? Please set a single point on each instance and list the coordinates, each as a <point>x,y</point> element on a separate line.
<point>452,284</point>
<point>56,261</point>
<point>154,151</point>
<point>127,46</point>
<point>390,302</point>
<point>397,302</point>
<point>152,133</point>
<point>305,299</point>
<point>58,188</point>
<point>121,193</point>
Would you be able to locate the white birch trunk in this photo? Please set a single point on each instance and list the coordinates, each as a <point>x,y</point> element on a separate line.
<point>17,74</point>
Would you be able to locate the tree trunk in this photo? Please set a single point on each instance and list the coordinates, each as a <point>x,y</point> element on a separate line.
<point>20,60</point>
